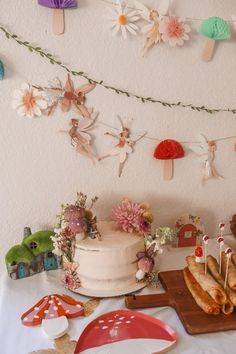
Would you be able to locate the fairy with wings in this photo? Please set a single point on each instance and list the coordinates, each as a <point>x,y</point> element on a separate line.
<point>123,147</point>
<point>80,137</point>
<point>205,150</point>
<point>66,95</point>
<point>153,17</point>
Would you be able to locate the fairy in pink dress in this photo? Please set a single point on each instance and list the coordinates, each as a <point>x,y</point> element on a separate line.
<point>123,148</point>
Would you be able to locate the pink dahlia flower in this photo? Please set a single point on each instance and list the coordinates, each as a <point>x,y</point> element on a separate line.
<point>174,30</point>
<point>128,216</point>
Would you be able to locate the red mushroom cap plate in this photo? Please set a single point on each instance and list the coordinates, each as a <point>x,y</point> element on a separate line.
<point>51,307</point>
<point>127,332</point>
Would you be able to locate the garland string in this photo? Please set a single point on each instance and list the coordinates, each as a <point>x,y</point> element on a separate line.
<point>52,60</point>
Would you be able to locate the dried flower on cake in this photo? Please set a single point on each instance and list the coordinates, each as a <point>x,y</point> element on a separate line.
<point>28,101</point>
<point>122,20</point>
<point>174,30</point>
<point>131,217</point>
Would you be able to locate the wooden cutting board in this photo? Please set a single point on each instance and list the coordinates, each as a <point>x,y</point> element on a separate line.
<point>177,295</point>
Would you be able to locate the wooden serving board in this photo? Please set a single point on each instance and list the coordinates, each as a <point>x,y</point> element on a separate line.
<point>177,295</point>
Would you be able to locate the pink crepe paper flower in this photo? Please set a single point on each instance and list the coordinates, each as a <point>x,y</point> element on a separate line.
<point>174,30</point>
<point>128,216</point>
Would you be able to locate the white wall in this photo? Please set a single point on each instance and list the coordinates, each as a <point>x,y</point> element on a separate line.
<point>39,168</point>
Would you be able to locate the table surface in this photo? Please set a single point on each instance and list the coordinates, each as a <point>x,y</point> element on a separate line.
<point>17,296</point>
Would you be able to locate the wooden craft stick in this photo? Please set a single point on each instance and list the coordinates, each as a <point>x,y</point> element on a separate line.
<point>208,50</point>
<point>58,25</point>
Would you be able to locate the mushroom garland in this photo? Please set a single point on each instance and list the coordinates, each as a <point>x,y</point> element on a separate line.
<point>213,28</point>
<point>58,7</point>
<point>127,331</point>
<point>168,150</point>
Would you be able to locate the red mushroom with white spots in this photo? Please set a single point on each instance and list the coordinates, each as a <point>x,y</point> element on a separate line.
<point>168,150</point>
<point>50,307</point>
<point>124,331</point>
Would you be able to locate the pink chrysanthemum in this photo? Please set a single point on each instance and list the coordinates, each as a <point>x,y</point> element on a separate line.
<point>174,31</point>
<point>128,216</point>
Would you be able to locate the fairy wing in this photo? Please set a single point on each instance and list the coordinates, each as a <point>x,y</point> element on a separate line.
<point>85,123</point>
<point>164,7</point>
<point>143,10</point>
<point>85,88</point>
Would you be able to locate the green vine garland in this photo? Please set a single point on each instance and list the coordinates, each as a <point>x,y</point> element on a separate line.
<point>48,56</point>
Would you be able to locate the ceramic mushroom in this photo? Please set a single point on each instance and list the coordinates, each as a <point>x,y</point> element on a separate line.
<point>58,7</point>
<point>168,150</point>
<point>213,28</point>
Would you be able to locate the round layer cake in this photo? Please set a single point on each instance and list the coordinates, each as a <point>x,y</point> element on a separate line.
<point>109,264</point>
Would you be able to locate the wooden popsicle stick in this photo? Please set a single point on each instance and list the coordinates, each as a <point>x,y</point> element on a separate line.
<point>168,170</point>
<point>146,301</point>
<point>208,49</point>
<point>58,25</point>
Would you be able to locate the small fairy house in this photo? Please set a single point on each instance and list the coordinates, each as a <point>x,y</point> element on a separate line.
<point>32,256</point>
<point>189,229</point>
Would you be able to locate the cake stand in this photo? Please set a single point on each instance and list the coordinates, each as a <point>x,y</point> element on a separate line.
<point>110,293</point>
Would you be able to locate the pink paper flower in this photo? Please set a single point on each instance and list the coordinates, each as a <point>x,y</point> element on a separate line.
<point>174,30</point>
<point>128,216</point>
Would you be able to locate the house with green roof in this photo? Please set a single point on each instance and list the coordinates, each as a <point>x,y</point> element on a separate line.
<point>32,256</point>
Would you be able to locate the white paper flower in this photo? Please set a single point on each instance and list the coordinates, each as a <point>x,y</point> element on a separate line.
<point>122,20</point>
<point>28,101</point>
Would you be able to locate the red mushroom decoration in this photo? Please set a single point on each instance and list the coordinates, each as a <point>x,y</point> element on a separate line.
<point>168,150</point>
<point>125,331</point>
<point>51,307</point>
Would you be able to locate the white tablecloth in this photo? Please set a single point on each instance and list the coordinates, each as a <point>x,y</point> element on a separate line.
<point>17,296</point>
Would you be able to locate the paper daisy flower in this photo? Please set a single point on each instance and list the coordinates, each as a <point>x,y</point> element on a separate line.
<point>174,30</point>
<point>122,20</point>
<point>28,101</point>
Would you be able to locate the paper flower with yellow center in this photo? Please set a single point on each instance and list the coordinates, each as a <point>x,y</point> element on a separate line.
<point>122,20</point>
<point>28,101</point>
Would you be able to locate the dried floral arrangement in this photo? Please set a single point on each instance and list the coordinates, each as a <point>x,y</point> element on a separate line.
<point>76,221</point>
<point>132,217</point>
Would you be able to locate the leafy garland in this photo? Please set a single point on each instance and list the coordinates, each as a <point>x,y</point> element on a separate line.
<point>48,56</point>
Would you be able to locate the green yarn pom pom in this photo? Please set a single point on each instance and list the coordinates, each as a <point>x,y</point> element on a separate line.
<point>215,28</point>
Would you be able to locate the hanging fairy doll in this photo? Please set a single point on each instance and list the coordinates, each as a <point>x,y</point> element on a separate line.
<point>80,136</point>
<point>123,147</point>
<point>205,151</point>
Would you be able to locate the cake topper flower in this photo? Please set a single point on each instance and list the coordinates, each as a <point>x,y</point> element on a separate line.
<point>132,217</point>
<point>67,96</point>
<point>28,101</point>
<point>174,30</point>
<point>124,145</point>
<point>122,20</point>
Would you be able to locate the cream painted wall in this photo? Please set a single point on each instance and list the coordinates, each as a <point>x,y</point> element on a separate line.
<point>39,168</point>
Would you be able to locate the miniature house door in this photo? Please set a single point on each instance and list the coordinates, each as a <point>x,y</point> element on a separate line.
<point>22,271</point>
<point>50,261</point>
<point>187,236</point>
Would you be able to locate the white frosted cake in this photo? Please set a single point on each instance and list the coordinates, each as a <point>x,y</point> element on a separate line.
<point>110,264</point>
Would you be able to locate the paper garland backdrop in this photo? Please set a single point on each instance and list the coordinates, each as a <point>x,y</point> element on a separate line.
<point>52,60</point>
